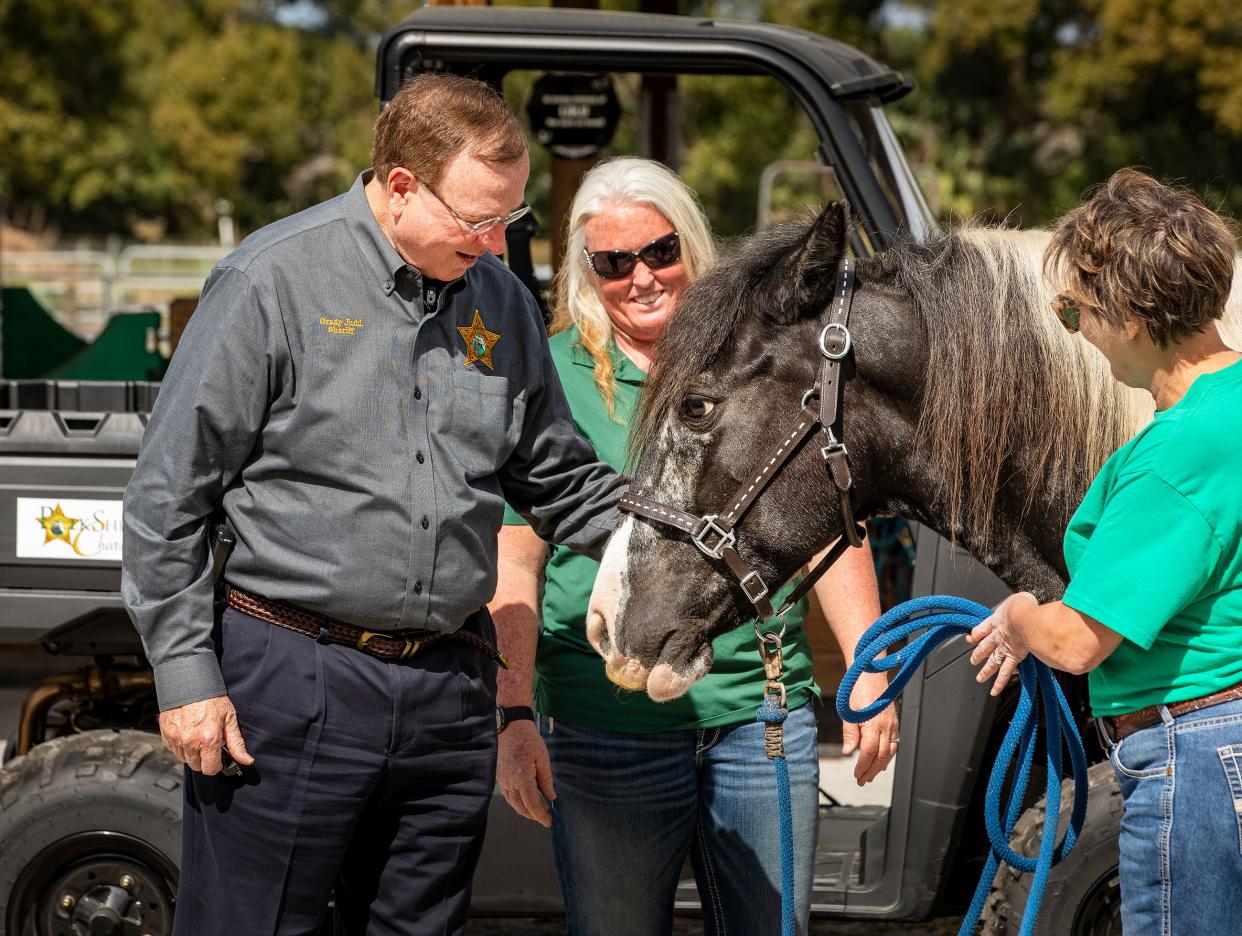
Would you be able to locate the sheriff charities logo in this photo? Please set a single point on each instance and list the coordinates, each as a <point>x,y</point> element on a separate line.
<point>69,529</point>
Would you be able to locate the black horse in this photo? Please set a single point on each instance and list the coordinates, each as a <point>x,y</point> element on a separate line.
<point>966,407</point>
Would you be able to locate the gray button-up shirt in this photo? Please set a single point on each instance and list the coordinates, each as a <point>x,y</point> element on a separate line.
<point>360,445</point>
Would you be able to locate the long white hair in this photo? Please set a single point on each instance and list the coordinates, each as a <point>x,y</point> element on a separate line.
<point>618,183</point>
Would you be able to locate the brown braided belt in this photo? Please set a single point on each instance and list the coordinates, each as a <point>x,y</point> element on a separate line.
<point>384,646</point>
<point>1127,724</point>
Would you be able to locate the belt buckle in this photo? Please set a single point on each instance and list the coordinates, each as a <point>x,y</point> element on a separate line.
<point>408,647</point>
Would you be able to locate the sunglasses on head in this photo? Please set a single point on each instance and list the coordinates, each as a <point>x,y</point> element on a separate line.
<point>1068,311</point>
<point>614,264</point>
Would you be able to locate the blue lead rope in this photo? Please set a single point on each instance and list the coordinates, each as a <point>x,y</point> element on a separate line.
<point>773,713</point>
<point>942,617</point>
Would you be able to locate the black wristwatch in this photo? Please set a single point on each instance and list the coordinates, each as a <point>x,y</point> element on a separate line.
<point>512,713</point>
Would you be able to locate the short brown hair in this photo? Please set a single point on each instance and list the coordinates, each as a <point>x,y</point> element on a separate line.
<point>1138,249</point>
<point>434,117</point>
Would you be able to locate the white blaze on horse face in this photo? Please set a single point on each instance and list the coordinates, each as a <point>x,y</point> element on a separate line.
<point>607,601</point>
<point>638,545</point>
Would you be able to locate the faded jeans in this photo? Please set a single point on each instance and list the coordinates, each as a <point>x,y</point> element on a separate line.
<point>630,807</point>
<point>1181,835</point>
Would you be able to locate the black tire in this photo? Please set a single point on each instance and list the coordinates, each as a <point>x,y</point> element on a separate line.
<point>1084,894</point>
<point>90,826</point>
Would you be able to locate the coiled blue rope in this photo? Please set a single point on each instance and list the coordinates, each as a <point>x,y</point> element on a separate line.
<point>774,713</point>
<point>942,617</point>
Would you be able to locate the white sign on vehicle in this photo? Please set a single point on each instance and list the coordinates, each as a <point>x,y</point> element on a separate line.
<point>59,528</point>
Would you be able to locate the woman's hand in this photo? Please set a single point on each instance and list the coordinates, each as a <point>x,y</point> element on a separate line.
<point>999,645</point>
<point>876,739</point>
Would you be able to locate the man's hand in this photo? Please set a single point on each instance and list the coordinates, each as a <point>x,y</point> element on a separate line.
<point>197,732</point>
<point>524,772</point>
<point>1000,646</point>
<point>875,739</point>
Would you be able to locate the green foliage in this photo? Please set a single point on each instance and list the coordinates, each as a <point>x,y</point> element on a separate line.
<point>1026,103</point>
<point>138,116</point>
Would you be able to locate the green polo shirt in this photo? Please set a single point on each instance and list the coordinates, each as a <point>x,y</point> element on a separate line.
<point>569,674</point>
<point>1155,553</point>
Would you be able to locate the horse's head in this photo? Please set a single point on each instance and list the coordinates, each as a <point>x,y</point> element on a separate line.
<point>965,407</point>
<point>730,379</point>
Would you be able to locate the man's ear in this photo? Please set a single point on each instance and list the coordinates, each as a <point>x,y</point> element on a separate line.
<point>399,185</point>
<point>805,280</point>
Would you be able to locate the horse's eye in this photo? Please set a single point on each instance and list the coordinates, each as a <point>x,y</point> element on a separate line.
<point>695,408</point>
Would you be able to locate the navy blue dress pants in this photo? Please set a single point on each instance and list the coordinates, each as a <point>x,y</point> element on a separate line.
<point>371,779</point>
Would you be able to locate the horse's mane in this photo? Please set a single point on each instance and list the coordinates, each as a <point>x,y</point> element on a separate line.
<point>1005,377</point>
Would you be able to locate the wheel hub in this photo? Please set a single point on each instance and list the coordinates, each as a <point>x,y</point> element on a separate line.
<point>106,896</point>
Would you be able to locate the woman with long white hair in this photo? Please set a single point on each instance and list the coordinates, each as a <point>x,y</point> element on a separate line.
<point>637,786</point>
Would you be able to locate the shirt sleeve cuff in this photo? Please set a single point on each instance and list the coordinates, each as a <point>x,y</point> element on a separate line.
<point>188,679</point>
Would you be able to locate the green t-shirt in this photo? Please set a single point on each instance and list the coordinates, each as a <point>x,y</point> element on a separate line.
<point>569,674</point>
<point>1153,553</point>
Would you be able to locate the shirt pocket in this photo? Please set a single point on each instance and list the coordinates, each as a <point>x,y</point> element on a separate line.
<point>482,421</point>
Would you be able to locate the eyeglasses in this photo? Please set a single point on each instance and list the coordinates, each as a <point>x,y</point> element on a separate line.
<point>1069,311</point>
<point>614,264</point>
<point>487,224</point>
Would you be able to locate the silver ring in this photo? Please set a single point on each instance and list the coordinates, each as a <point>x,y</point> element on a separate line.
<point>998,657</point>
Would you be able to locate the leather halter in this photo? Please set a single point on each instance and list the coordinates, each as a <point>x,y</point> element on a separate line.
<point>716,534</point>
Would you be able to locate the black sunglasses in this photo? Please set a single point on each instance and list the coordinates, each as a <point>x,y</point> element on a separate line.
<point>614,264</point>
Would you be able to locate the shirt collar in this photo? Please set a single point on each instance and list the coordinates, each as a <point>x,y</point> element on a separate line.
<point>623,368</point>
<point>381,255</point>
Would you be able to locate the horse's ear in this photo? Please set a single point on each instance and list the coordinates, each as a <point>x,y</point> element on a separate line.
<point>811,268</point>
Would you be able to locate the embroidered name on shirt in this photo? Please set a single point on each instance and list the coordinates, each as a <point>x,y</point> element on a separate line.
<point>340,326</point>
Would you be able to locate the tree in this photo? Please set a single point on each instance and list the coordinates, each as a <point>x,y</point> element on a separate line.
<point>141,115</point>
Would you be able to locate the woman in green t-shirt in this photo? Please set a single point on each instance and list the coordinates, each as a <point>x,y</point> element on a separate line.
<point>640,785</point>
<point>1153,611</point>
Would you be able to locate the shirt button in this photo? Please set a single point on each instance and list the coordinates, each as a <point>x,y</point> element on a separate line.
<point>426,523</point>
<point>419,458</point>
<point>418,588</point>
<point>418,393</point>
<point>388,284</point>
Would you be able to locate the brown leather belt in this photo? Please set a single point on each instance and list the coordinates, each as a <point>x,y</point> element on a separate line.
<point>1122,725</point>
<point>399,645</point>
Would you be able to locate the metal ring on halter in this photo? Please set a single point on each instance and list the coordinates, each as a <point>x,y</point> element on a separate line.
<point>823,341</point>
<point>813,392</point>
<point>771,636</point>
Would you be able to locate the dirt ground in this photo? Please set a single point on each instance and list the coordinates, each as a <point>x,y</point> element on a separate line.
<point>689,927</point>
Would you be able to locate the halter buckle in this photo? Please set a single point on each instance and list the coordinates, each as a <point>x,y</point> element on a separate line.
<point>847,341</point>
<point>834,445</point>
<point>754,586</point>
<point>726,538</point>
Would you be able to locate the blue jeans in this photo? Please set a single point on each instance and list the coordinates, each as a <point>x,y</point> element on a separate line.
<point>1181,834</point>
<point>630,807</point>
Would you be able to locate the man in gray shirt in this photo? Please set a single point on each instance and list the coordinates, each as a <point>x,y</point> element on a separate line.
<point>360,391</point>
